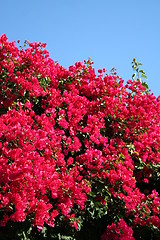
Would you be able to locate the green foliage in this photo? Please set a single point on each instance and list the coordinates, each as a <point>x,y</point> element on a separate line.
<point>139,73</point>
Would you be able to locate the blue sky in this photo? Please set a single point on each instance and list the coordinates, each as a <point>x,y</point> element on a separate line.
<point>111,32</point>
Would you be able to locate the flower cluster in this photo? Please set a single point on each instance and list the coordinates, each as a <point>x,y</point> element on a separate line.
<point>120,232</point>
<point>70,139</point>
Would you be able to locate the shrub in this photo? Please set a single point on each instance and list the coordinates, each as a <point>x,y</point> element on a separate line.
<point>79,153</point>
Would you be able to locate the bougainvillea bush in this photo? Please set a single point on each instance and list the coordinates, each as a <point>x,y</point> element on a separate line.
<point>79,152</point>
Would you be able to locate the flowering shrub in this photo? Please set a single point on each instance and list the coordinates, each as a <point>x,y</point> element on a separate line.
<point>79,153</point>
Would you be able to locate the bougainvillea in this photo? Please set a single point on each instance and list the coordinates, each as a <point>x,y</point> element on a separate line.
<point>77,150</point>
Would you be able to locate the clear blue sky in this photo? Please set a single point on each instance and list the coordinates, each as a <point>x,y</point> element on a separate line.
<point>111,32</point>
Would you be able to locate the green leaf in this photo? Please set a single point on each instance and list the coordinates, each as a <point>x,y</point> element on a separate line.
<point>144,84</point>
<point>79,82</point>
<point>139,64</point>
<point>143,76</point>
<point>133,76</point>
<point>141,71</point>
